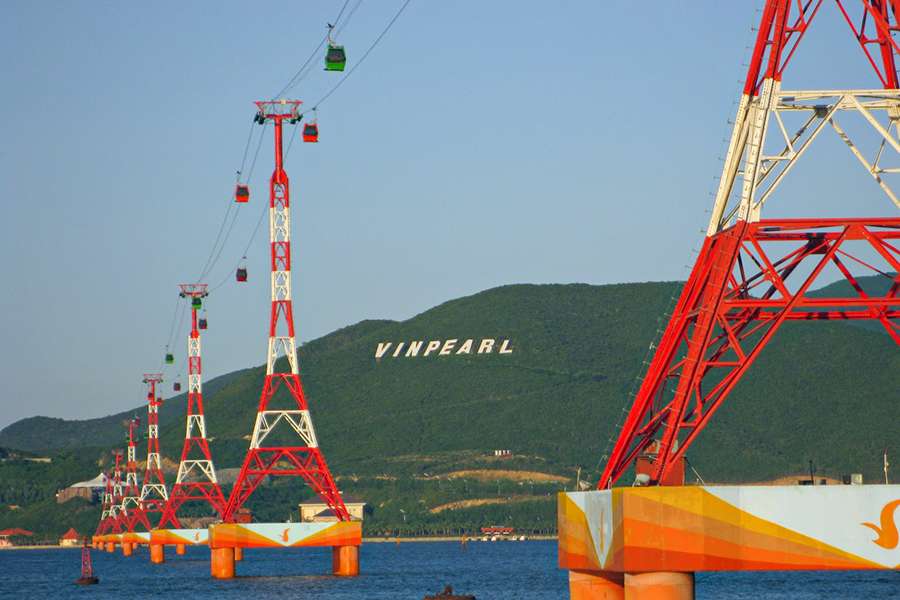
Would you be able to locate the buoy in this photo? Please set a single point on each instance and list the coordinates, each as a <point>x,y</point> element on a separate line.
<point>87,570</point>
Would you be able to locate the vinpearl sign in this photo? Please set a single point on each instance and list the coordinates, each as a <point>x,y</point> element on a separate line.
<point>442,348</point>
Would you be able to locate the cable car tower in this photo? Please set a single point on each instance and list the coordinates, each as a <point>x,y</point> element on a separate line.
<point>108,520</point>
<point>153,492</point>
<point>753,274</point>
<point>196,480</point>
<point>265,456</point>
<point>117,491</point>
<point>131,501</point>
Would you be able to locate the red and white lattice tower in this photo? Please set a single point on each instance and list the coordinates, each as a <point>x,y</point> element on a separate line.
<point>108,520</point>
<point>266,457</point>
<point>153,491</point>
<point>118,490</point>
<point>131,501</point>
<point>752,274</point>
<point>196,480</point>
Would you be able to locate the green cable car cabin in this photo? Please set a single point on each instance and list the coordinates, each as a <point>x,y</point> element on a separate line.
<point>335,58</point>
<point>170,358</point>
<point>196,302</point>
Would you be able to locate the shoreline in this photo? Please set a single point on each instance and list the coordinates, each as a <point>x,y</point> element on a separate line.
<point>366,540</point>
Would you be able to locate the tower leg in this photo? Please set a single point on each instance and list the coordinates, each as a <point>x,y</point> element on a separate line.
<point>661,585</point>
<point>345,561</point>
<point>110,546</point>
<point>179,549</point>
<point>596,586</point>
<point>157,553</point>
<point>238,554</point>
<point>221,564</point>
<point>126,548</point>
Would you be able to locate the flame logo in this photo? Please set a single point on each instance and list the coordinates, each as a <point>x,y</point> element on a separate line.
<point>284,535</point>
<point>888,537</point>
<point>197,536</point>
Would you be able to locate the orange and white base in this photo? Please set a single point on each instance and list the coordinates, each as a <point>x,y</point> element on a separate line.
<point>648,542</point>
<point>227,541</point>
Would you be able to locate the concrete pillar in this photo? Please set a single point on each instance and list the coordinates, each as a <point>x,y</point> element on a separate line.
<point>126,548</point>
<point>662,585</point>
<point>110,546</point>
<point>179,549</point>
<point>221,564</point>
<point>157,553</point>
<point>238,554</point>
<point>345,561</point>
<point>596,586</point>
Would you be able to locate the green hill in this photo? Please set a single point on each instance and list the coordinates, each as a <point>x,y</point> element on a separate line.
<point>395,430</point>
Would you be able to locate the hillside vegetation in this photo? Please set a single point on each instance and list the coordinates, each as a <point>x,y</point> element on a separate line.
<point>400,431</point>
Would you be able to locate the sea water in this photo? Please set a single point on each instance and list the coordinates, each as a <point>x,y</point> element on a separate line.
<point>389,571</point>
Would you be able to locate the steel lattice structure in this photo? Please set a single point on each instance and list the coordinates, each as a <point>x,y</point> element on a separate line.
<point>108,515</point>
<point>118,491</point>
<point>196,479</point>
<point>153,491</point>
<point>273,459</point>
<point>131,501</point>
<point>752,275</point>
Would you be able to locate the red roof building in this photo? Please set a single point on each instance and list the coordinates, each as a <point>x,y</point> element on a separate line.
<point>70,538</point>
<point>5,534</point>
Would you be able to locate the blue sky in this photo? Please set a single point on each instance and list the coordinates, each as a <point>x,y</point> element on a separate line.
<point>481,144</point>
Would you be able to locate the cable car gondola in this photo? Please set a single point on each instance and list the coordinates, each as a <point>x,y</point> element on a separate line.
<point>196,302</point>
<point>176,386</point>
<point>242,193</point>
<point>311,132</point>
<point>335,58</point>
<point>201,323</point>
<point>241,274</point>
<point>170,358</point>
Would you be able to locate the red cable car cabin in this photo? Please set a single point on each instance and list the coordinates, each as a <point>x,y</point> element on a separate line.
<point>241,274</point>
<point>242,193</point>
<point>311,132</point>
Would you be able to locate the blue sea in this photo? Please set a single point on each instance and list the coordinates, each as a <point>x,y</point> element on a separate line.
<point>490,571</point>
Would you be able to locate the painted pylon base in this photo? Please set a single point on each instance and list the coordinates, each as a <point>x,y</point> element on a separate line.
<point>596,586</point>
<point>221,563</point>
<point>127,549</point>
<point>345,561</point>
<point>179,549</point>
<point>185,537</point>
<point>686,529</point>
<point>157,553</point>
<point>659,586</point>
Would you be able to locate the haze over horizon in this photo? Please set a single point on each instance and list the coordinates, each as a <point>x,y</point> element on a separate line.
<point>478,145</point>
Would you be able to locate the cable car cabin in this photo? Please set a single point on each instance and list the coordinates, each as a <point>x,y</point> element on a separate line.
<point>202,324</point>
<point>335,58</point>
<point>242,193</point>
<point>177,387</point>
<point>311,132</point>
<point>170,358</point>
<point>196,302</point>
<point>241,274</point>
